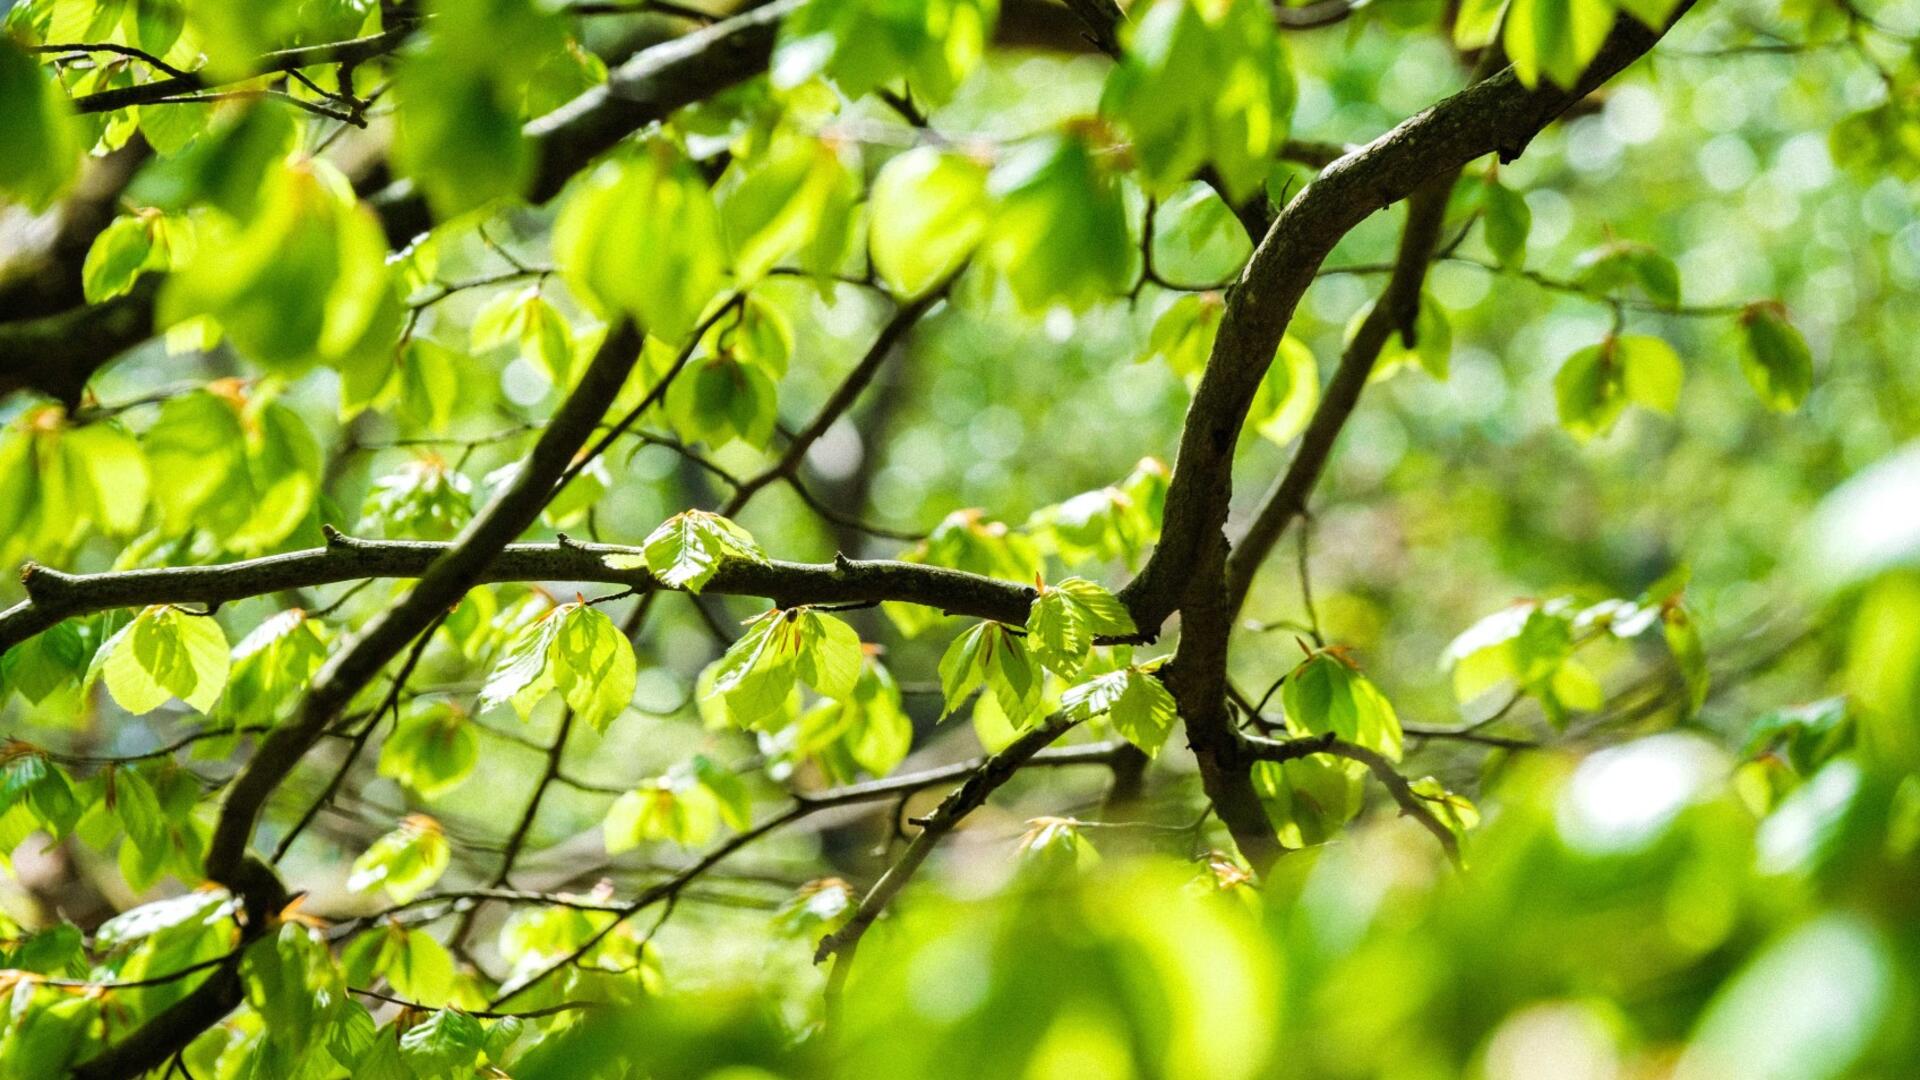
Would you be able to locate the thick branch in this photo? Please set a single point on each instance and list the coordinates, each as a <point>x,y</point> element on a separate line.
<point>645,90</point>
<point>1395,311</point>
<point>1497,115</point>
<point>53,595</point>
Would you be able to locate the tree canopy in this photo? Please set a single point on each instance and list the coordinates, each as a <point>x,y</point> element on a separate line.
<point>959,538</point>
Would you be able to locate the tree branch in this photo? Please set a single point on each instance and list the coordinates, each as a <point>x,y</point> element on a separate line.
<point>965,799</point>
<point>1395,311</point>
<point>53,595</point>
<point>1496,115</point>
<point>839,402</point>
<point>1398,786</point>
<point>451,574</point>
<point>58,354</point>
<point>354,51</point>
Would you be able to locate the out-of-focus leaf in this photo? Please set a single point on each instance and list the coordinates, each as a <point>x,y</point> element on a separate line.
<point>405,862</point>
<point>1776,359</point>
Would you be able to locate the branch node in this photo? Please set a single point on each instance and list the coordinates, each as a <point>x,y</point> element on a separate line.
<point>44,584</point>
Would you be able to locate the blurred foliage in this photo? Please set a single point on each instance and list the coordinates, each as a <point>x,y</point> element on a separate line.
<point>1618,561</point>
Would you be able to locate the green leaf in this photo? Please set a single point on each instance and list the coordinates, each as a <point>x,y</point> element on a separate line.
<point>575,650</point>
<point>648,200</point>
<point>1508,221</point>
<point>1056,845</point>
<point>273,665</point>
<point>1595,384</point>
<point>1651,370</point>
<point>1137,704</point>
<point>756,675</point>
<point>118,255</point>
<point>1613,268</point>
<point>1096,526</point>
<point>1183,334</point>
<point>225,167</point>
<point>1327,694</point>
<point>868,729</point>
<point>462,99</point>
<point>995,655</point>
<point>46,663</point>
<point>40,785</point>
<point>780,647</point>
<point>1555,38</point>
<point>292,983</point>
<point>1310,799</point>
<point>432,751</point>
<point>424,499</point>
<point>108,476</point>
<point>718,399</point>
<point>863,44</point>
<point>729,792</point>
<point>1532,644</point>
<point>1202,84</point>
<point>1590,390</point>
<point>689,548</point>
<point>1059,228</point>
<point>927,211</point>
<point>446,1043</point>
<point>40,147</point>
<point>528,320</point>
<point>1477,23</point>
<point>1288,393</point>
<point>595,669</point>
<point>673,808</point>
<point>459,134</point>
<point>165,653</point>
<point>300,280</point>
<point>795,196</point>
<point>1689,655</point>
<point>1776,359</point>
<point>828,655</point>
<point>283,466</point>
<point>47,1031</point>
<point>418,967</point>
<point>1065,618</point>
<point>199,452</point>
<point>405,862</point>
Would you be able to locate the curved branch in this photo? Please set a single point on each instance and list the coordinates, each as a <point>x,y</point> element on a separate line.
<point>1395,311</point>
<point>646,89</point>
<point>1496,115</point>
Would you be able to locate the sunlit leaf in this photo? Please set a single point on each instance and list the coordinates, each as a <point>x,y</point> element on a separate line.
<point>165,653</point>
<point>405,862</point>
